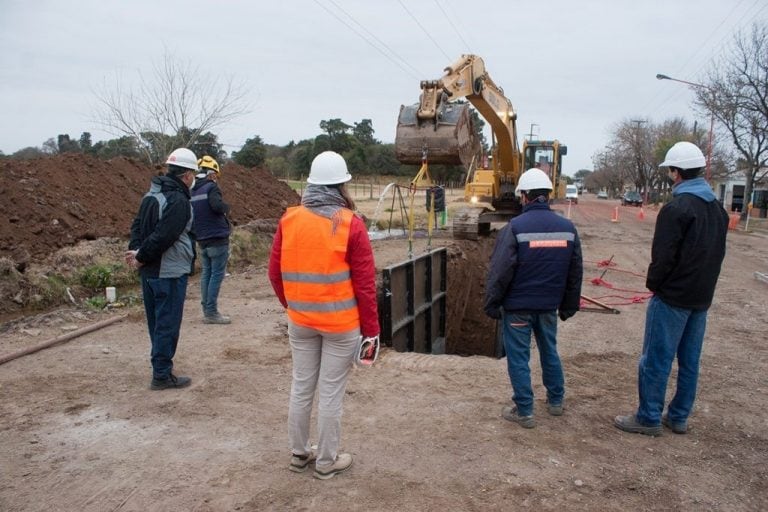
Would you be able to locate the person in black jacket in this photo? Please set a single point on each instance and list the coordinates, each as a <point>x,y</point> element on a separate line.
<point>536,270</point>
<point>162,248</point>
<point>212,231</point>
<point>687,252</point>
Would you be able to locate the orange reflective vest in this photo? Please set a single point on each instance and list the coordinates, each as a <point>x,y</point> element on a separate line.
<point>316,278</point>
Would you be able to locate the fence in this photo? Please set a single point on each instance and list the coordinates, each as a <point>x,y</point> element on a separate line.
<point>368,189</point>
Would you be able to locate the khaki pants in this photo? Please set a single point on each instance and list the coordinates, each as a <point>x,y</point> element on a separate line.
<point>322,362</point>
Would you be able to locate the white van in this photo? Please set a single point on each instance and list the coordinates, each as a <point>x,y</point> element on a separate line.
<point>572,194</point>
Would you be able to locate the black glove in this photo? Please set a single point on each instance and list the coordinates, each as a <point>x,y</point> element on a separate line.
<point>565,314</point>
<point>494,313</point>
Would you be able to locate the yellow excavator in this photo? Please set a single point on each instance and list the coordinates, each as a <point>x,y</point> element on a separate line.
<point>439,130</point>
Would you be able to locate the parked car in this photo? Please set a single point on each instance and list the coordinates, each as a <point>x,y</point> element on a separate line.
<point>632,198</point>
<point>602,194</point>
<point>572,194</point>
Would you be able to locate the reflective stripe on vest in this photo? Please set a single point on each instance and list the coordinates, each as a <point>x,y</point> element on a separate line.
<point>316,277</point>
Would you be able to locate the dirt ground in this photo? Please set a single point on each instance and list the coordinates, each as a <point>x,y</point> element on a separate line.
<point>81,431</point>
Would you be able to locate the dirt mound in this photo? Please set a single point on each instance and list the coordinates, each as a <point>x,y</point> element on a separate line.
<point>53,202</point>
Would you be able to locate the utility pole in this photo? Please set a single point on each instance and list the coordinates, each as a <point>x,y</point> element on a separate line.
<point>530,135</point>
<point>639,160</point>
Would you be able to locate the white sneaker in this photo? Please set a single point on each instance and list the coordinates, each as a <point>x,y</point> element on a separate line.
<point>343,463</point>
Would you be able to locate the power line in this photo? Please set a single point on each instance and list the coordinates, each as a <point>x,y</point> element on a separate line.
<point>466,44</point>
<point>382,43</point>
<point>675,93</point>
<point>447,58</point>
<point>364,38</point>
<point>701,46</point>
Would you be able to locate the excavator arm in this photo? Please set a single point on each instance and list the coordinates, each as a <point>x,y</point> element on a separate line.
<point>468,78</point>
<point>439,130</point>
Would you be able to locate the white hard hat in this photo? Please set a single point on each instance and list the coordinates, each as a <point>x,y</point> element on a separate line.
<point>533,179</point>
<point>684,155</point>
<point>182,157</point>
<point>328,168</point>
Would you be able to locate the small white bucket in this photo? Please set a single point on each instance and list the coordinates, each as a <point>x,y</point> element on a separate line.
<point>111,294</point>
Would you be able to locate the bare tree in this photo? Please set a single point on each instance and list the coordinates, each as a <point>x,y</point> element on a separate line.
<point>737,94</point>
<point>170,108</point>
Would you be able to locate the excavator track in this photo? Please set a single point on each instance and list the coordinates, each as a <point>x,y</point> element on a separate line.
<point>467,224</point>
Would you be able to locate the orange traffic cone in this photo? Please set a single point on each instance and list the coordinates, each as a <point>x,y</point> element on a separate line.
<point>615,215</point>
<point>641,214</point>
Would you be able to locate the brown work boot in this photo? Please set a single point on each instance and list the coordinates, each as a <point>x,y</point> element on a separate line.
<point>343,463</point>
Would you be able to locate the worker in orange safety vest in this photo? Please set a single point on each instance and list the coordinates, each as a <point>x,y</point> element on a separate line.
<point>322,270</point>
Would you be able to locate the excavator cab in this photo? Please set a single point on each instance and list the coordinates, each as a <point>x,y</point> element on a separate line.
<point>547,155</point>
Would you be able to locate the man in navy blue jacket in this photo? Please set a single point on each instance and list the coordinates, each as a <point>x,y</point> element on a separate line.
<point>162,247</point>
<point>688,249</point>
<point>536,270</point>
<point>212,231</point>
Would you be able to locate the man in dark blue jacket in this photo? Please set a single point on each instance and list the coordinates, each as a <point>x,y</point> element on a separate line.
<point>162,248</point>
<point>536,270</point>
<point>688,249</point>
<point>212,232</point>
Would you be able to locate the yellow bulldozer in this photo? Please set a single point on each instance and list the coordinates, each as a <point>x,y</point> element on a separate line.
<point>439,130</point>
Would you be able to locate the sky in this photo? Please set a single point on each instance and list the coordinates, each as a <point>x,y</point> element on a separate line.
<point>572,70</point>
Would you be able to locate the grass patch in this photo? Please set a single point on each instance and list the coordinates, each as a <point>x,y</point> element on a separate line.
<point>246,248</point>
<point>99,276</point>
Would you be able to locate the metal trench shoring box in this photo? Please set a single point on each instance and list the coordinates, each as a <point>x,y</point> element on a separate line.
<point>413,302</point>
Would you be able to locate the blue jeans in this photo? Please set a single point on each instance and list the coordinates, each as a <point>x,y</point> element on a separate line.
<point>164,306</point>
<point>214,264</point>
<point>669,331</point>
<point>517,343</point>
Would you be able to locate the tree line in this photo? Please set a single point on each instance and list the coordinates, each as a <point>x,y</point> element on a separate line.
<point>178,106</point>
<point>733,94</point>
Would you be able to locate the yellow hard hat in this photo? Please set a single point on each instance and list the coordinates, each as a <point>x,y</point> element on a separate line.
<point>208,162</point>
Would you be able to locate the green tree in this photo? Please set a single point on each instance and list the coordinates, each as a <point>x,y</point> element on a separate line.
<point>207,144</point>
<point>363,132</point>
<point>322,143</point>
<point>582,174</point>
<point>252,154</point>
<point>27,153</point>
<point>67,145</point>
<point>124,146</point>
<point>86,144</point>
<point>278,166</point>
<point>50,147</point>
<point>301,158</point>
<point>337,131</point>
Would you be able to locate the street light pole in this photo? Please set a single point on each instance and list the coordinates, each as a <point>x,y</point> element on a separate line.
<point>711,118</point>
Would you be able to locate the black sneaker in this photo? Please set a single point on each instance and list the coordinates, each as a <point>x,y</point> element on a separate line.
<point>556,409</point>
<point>170,383</point>
<point>513,415</point>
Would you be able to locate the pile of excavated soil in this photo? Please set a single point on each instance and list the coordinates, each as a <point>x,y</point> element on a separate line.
<point>53,202</point>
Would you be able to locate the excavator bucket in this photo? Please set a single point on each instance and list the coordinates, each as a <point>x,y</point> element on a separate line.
<point>450,140</point>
